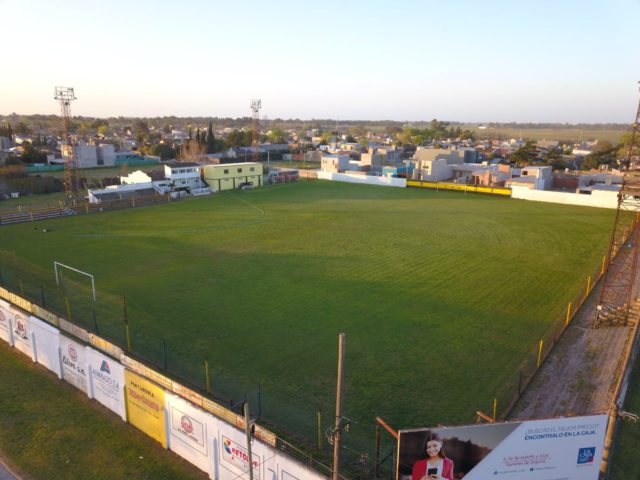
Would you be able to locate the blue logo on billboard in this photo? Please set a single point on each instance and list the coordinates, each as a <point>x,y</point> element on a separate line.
<point>105,367</point>
<point>585,455</point>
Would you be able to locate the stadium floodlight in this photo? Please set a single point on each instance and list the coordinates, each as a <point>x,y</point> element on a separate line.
<point>62,265</point>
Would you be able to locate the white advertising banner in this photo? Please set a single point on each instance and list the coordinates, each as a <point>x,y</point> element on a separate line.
<point>233,455</point>
<point>292,470</point>
<point>5,322</point>
<point>190,429</point>
<point>21,331</point>
<point>47,343</point>
<point>74,363</point>
<point>555,449</point>
<point>106,381</point>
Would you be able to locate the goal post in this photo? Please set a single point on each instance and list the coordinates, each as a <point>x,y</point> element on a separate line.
<point>60,265</point>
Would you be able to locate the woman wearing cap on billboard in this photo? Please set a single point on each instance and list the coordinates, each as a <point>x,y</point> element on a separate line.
<point>436,465</point>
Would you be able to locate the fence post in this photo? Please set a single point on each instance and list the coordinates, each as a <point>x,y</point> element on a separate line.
<point>604,262</point>
<point>539,353</point>
<point>566,322</point>
<point>520,381</point>
<point>126,322</point>
<point>95,321</point>
<point>44,303</point>
<point>495,408</point>
<point>588,286</point>
<point>66,302</point>
<point>164,353</point>
<point>259,401</point>
<point>206,376</point>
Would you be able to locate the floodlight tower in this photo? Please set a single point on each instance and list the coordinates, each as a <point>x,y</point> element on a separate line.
<point>616,296</point>
<point>633,136</point>
<point>256,105</point>
<point>65,95</point>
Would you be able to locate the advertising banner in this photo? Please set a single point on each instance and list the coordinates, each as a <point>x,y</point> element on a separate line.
<point>104,345</point>
<point>146,406</point>
<point>5,323</point>
<point>106,381</point>
<point>554,449</point>
<point>74,363</point>
<point>292,470</point>
<point>47,343</point>
<point>21,331</point>
<point>141,369</point>
<point>189,431</point>
<point>233,455</point>
<point>73,329</point>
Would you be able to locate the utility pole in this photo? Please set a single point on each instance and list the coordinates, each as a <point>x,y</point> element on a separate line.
<point>247,427</point>
<point>339,392</point>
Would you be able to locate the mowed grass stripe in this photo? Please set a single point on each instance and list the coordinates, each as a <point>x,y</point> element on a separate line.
<point>437,291</point>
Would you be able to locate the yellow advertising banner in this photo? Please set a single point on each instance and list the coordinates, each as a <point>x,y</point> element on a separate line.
<point>145,406</point>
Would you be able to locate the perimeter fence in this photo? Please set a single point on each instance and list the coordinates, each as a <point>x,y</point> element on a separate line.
<point>511,390</point>
<point>302,428</point>
<point>305,425</point>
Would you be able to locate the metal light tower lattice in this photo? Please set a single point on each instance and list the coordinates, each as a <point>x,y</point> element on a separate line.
<point>616,296</point>
<point>256,105</point>
<point>65,95</point>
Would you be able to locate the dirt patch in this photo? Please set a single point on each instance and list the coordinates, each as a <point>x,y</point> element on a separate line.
<point>580,374</point>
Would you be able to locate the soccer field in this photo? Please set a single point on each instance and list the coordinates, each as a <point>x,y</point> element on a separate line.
<point>441,295</point>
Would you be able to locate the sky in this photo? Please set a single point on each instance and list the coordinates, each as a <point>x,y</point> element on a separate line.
<point>456,60</point>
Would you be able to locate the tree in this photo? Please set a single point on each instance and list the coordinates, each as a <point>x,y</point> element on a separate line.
<point>141,127</point>
<point>162,150</point>
<point>22,128</point>
<point>524,155</point>
<point>32,155</point>
<point>211,139</point>
<point>99,122</point>
<point>277,135</point>
<point>190,150</point>
<point>603,154</point>
<point>239,138</point>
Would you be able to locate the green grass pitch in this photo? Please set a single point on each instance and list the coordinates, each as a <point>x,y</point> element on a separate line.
<point>441,295</point>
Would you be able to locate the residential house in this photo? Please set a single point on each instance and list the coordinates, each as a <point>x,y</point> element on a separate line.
<point>335,163</point>
<point>534,178</point>
<point>90,156</point>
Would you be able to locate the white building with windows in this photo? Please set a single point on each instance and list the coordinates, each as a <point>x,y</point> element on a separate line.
<point>183,176</point>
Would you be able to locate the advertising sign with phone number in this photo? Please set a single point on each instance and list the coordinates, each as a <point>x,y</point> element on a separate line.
<point>560,448</point>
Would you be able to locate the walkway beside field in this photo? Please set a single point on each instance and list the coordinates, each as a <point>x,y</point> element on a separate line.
<point>579,376</point>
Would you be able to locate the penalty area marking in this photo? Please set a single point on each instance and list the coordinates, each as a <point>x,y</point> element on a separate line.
<point>62,265</point>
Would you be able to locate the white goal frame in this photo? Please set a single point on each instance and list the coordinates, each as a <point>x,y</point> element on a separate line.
<point>59,264</point>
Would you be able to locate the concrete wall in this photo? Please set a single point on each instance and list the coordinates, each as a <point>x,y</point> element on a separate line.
<point>599,199</point>
<point>366,179</point>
